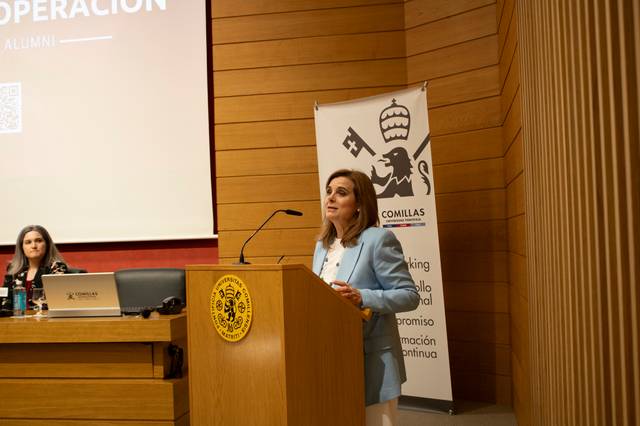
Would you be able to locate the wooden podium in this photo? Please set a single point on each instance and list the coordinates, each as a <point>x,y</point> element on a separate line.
<point>300,363</point>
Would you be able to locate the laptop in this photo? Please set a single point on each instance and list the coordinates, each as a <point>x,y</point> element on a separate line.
<point>82,295</point>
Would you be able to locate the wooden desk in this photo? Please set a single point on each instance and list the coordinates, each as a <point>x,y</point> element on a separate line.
<point>92,371</point>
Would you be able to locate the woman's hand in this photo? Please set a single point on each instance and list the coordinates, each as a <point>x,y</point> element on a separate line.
<point>350,293</point>
<point>58,268</point>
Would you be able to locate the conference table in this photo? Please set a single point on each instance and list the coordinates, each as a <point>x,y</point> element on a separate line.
<point>92,371</point>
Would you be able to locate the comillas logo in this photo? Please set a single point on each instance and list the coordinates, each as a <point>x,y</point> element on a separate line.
<point>403,213</point>
<point>392,172</point>
<point>82,295</point>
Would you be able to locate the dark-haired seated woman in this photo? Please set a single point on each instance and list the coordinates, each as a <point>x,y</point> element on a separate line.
<point>35,255</point>
<point>365,264</point>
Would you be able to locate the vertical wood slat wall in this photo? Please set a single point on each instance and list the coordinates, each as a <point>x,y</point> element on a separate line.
<point>580,68</point>
<point>272,60</point>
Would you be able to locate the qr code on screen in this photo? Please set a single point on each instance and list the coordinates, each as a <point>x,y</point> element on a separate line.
<point>10,107</point>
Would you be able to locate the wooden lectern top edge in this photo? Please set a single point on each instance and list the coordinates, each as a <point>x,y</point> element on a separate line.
<point>365,314</point>
<point>249,267</point>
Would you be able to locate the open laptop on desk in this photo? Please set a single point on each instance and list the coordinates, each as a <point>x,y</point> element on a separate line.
<point>82,295</point>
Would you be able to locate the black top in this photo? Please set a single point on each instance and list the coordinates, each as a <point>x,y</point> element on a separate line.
<point>10,280</point>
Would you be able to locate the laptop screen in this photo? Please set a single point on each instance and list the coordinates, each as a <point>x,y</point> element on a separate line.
<point>80,295</point>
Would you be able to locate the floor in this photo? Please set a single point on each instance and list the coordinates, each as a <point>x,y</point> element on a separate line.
<point>467,414</point>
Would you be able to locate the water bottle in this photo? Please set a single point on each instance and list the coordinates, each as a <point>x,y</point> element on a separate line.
<point>19,299</point>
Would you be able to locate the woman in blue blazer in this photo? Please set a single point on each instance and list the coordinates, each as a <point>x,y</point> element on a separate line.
<point>365,264</point>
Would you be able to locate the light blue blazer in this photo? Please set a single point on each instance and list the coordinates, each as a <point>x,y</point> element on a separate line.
<point>376,267</point>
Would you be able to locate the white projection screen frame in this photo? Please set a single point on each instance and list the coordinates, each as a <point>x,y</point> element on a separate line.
<point>104,130</point>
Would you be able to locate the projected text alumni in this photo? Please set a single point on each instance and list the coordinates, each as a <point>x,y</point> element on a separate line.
<point>49,10</point>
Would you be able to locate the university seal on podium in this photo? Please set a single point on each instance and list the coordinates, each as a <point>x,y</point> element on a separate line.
<point>231,308</point>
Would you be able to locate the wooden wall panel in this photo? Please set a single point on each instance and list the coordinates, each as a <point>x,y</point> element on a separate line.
<point>470,55</point>
<point>466,146</point>
<point>282,187</point>
<point>327,49</point>
<point>506,20</point>
<point>272,61</point>
<point>471,199</point>
<point>466,116</point>
<point>463,87</point>
<point>469,385</point>
<point>473,236</point>
<point>481,266</point>
<point>477,297</point>
<point>487,174</point>
<point>453,46</point>
<point>479,327</point>
<point>295,24</point>
<point>511,84</point>
<point>518,277</point>
<point>340,75</point>
<point>284,106</point>
<point>483,24</point>
<point>517,235</point>
<point>519,309</point>
<point>507,52</point>
<point>269,242</point>
<point>521,395</point>
<point>269,161</point>
<point>580,123</point>
<point>480,357</point>
<point>512,121</point>
<point>513,160</point>
<point>514,178</point>
<point>499,6</point>
<point>421,12</point>
<point>467,26</point>
<point>266,134</point>
<point>520,339</point>
<point>248,216</point>
<point>471,205</point>
<point>270,260</point>
<point>515,197</point>
<point>226,8</point>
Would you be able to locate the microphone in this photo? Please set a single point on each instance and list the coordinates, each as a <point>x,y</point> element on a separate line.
<point>290,212</point>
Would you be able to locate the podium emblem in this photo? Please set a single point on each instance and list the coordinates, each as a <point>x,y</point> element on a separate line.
<point>231,308</point>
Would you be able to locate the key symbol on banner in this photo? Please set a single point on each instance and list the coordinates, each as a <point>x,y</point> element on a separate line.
<point>354,144</point>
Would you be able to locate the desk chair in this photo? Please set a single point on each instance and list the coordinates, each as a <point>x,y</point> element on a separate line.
<point>144,288</point>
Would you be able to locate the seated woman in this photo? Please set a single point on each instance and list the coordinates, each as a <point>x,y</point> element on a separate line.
<point>365,264</point>
<point>35,255</point>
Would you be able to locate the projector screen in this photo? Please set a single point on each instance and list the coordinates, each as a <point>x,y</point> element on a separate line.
<point>104,132</point>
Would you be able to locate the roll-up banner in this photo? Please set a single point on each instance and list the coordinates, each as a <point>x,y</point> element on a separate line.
<point>387,137</point>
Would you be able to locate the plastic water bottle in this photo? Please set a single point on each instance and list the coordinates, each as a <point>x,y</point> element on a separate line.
<point>19,299</point>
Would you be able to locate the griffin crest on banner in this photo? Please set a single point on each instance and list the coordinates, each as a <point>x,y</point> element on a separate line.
<point>396,164</point>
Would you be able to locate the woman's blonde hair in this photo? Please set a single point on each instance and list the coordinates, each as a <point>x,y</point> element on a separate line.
<point>366,214</point>
<point>20,261</point>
